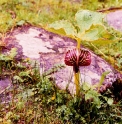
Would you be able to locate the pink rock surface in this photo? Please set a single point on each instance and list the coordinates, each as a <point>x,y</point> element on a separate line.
<point>114,19</point>
<point>49,49</point>
<point>4,83</point>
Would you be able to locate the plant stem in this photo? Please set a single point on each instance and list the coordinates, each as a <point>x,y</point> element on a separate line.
<point>77,83</point>
<point>78,43</point>
<point>77,73</point>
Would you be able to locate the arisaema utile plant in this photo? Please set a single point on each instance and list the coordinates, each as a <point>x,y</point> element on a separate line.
<point>88,26</point>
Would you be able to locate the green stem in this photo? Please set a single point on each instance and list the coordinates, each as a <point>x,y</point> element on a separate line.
<point>98,50</point>
<point>77,83</point>
<point>78,44</point>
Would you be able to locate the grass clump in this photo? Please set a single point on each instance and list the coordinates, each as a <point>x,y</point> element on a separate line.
<point>38,13</point>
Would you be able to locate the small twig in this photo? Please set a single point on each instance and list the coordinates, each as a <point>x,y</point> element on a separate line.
<point>110,9</point>
<point>99,50</point>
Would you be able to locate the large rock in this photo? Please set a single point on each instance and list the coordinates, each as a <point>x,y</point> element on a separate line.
<point>4,83</point>
<point>49,49</point>
<point>114,19</point>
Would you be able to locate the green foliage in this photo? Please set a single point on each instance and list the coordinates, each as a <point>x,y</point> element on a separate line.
<point>54,69</point>
<point>21,22</point>
<point>114,51</point>
<point>5,21</point>
<point>90,93</point>
<point>85,19</point>
<point>63,27</point>
<point>18,12</point>
<point>89,26</point>
<point>104,74</point>
<point>13,53</point>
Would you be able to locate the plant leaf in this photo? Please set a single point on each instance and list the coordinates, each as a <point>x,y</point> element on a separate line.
<point>86,86</point>
<point>5,57</point>
<point>85,19</point>
<point>92,94</point>
<point>110,101</point>
<point>95,32</point>
<point>102,42</point>
<point>21,22</point>
<point>18,79</point>
<point>63,27</point>
<point>24,74</point>
<point>98,85</point>
<point>13,53</point>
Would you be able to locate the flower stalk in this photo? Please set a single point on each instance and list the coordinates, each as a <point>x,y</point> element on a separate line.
<point>77,82</point>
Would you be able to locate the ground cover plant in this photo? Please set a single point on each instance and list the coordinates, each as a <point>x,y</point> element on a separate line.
<point>33,98</point>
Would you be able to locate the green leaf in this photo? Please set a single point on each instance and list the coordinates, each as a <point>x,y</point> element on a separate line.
<point>103,42</point>
<point>86,86</point>
<point>9,57</point>
<point>63,27</point>
<point>92,94</point>
<point>98,85</point>
<point>9,114</point>
<point>18,79</point>
<point>13,53</point>
<point>25,74</point>
<point>95,32</point>
<point>21,22</point>
<point>5,57</point>
<point>110,101</point>
<point>85,19</point>
<point>20,105</point>
<point>27,93</point>
<point>104,74</point>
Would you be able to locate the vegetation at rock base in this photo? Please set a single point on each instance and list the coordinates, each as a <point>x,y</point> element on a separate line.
<point>33,98</point>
